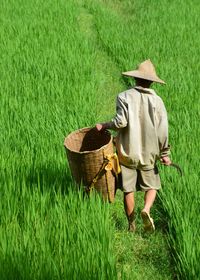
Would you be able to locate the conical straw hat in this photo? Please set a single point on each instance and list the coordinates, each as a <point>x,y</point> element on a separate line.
<point>146,71</point>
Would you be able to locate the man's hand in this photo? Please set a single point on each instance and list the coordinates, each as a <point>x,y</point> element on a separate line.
<point>103,126</point>
<point>100,126</point>
<point>165,160</point>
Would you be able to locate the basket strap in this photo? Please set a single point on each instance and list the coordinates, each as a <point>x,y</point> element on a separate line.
<point>113,166</point>
<point>96,178</point>
<point>108,187</point>
<point>108,167</point>
<point>110,163</point>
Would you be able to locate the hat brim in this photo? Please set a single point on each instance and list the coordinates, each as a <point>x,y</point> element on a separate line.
<point>141,75</point>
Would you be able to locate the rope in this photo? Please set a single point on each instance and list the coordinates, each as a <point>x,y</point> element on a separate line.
<point>108,167</point>
<point>110,163</point>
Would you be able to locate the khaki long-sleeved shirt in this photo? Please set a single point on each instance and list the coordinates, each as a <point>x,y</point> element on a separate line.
<point>141,120</point>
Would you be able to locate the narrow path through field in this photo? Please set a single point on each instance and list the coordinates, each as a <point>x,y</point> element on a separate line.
<point>104,66</point>
<point>137,255</point>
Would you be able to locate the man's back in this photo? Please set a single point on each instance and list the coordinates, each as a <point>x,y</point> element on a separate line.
<point>139,115</point>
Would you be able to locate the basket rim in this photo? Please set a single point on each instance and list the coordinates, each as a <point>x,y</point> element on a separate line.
<point>86,152</point>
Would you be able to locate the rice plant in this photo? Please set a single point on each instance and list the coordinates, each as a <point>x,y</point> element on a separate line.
<point>60,70</point>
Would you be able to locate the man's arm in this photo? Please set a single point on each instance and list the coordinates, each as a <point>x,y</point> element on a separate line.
<point>121,118</point>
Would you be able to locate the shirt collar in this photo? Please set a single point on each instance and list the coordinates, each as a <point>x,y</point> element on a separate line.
<point>145,90</point>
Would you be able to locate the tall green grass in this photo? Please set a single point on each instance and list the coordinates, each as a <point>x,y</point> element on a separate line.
<point>60,70</point>
<point>54,236</point>
<point>48,89</point>
<point>168,33</point>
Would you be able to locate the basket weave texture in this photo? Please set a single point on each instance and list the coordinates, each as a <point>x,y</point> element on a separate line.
<point>86,151</point>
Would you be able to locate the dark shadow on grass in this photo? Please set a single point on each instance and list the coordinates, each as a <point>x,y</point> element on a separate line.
<point>118,221</point>
<point>55,180</point>
<point>50,178</point>
<point>161,216</point>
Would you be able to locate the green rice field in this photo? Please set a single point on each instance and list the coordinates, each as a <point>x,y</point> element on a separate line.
<point>60,70</point>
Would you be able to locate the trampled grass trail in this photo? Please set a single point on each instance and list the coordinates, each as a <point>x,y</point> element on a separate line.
<point>60,69</point>
<point>137,256</point>
<point>139,30</point>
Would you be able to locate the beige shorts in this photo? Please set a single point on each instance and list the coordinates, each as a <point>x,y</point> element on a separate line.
<point>140,180</point>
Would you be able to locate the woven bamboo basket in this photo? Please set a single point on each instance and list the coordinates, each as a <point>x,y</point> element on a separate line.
<point>87,150</point>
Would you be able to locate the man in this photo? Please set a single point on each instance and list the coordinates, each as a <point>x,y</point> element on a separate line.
<point>141,121</point>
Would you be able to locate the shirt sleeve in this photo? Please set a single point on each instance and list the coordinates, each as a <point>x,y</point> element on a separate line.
<point>121,118</point>
<point>163,137</point>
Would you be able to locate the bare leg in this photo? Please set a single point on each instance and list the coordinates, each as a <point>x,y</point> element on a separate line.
<point>129,205</point>
<point>149,199</point>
